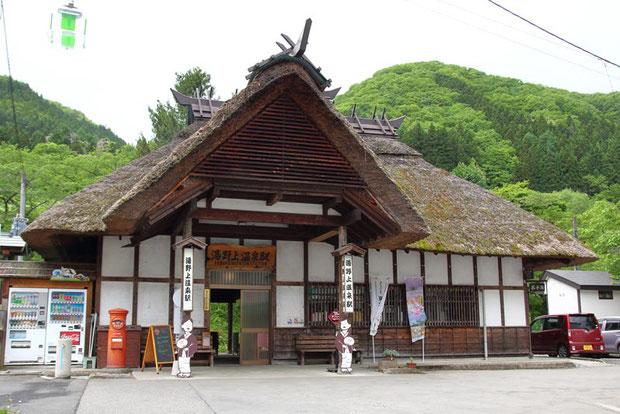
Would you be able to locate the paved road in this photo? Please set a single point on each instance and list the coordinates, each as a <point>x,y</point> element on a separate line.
<point>578,390</point>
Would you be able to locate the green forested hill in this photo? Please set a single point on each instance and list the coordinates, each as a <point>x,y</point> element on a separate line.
<point>40,120</point>
<point>514,131</point>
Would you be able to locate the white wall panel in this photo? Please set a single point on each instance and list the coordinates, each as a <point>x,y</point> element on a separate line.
<point>462,269</point>
<point>512,271</point>
<point>290,306</point>
<point>408,265</point>
<point>224,240</point>
<point>379,262</point>
<point>259,205</point>
<point>600,307</point>
<point>115,295</point>
<point>116,259</point>
<point>436,268</point>
<point>488,271</point>
<point>358,269</point>
<point>514,308</point>
<point>155,257</point>
<point>492,307</point>
<point>320,262</point>
<point>561,298</point>
<point>290,261</point>
<point>152,303</point>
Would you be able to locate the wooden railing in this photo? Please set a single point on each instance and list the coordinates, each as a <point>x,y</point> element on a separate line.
<point>42,270</point>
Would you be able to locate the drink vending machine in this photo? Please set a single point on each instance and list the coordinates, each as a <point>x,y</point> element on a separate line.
<point>27,317</point>
<point>66,319</point>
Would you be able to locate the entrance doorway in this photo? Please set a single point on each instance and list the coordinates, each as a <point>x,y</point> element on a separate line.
<point>239,321</point>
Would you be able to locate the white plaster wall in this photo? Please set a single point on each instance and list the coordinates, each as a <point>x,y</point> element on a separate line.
<point>492,307</point>
<point>116,259</point>
<point>152,303</point>
<point>320,262</point>
<point>290,261</point>
<point>514,308</point>
<point>115,295</point>
<point>408,265</point>
<point>561,298</point>
<point>358,269</point>
<point>512,271</point>
<point>199,260</point>
<point>256,242</point>
<point>379,262</point>
<point>259,205</point>
<point>155,257</point>
<point>600,307</point>
<point>462,269</point>
<point>436,268</point>
<point>488,272</point>
<point>290,306</point>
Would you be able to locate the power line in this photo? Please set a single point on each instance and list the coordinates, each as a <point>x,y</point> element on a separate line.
<point>8,62</point>
<point>554,35</point>
<point>466,23</point>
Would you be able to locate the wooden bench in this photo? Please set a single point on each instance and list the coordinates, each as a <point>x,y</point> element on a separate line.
<point>204,349</point>
<point>320,344</point>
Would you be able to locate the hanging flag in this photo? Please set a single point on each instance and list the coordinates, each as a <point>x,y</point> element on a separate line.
<point>378,291</point>
<point>415,307</point>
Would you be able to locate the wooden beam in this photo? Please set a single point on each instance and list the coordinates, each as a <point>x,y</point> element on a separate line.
<point>331,203</point>
<point>324,236</point>
<point>265,217</point>
<point>274,198</point>
<point>215,193</point>
<point>351,217</point>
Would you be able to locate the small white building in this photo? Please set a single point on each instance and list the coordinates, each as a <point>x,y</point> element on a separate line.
<point>580,291</point>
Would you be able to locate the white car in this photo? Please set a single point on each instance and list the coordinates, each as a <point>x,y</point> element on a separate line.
<point>610,329</point>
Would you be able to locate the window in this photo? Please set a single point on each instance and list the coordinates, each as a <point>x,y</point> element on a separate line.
<point>449,306</point>
<point>323,299</point>
<point>552,323</point>
<point>612,326</point>
<point>605,294</point>
<point>582,322</point>
<point>537,326</point>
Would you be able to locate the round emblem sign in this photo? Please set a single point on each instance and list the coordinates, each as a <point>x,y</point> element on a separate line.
<point>116,324</point>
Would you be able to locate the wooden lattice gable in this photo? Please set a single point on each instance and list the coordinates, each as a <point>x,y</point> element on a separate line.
<point>281,145</point>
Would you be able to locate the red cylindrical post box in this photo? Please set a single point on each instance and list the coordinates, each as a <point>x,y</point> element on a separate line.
<point>117,339</point>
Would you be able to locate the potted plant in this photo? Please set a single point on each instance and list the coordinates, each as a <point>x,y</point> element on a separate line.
<point>411,364</point>
<point>390,354</point>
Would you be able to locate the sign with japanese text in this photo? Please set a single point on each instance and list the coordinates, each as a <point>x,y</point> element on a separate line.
<point>188,278</point>
<point>222,256</point>
<point>347,283</point>
<point>539,288</point>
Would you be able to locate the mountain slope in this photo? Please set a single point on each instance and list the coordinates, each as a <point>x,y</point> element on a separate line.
<point>514,131</point>
<point>40,120</point>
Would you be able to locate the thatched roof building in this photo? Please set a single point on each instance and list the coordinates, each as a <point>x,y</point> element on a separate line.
<point>429,208</point>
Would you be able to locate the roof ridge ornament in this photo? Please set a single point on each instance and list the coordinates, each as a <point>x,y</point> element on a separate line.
<point>294,52</point>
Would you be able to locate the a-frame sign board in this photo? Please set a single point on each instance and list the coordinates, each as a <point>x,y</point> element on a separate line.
<point>159,347</point>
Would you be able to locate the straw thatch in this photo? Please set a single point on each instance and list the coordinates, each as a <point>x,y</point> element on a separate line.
<point>460,217</point>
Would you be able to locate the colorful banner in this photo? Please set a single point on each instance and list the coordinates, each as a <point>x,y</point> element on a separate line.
<point>415,307</point>
<point>378,291</point>
<point>222,256</point>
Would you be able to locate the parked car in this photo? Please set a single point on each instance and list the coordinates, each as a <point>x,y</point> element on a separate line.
<point>610,329</point>
<point>566,335</point>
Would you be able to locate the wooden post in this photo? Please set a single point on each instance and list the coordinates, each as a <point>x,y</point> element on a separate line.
<point>136,272</point>
<point>171,280</point>
<point>306,287</point>
<point>230,326</point>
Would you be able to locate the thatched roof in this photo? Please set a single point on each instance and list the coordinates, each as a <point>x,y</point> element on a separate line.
<point>460,217</point>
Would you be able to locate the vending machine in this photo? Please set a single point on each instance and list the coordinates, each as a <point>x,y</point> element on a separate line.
<point>25,331</point>
<point>66,319</point>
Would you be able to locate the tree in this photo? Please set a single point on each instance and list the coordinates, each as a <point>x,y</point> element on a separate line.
<point>193,79</point>
<point>471,172</point>
<point>168,120</point>
<point>142,147</point>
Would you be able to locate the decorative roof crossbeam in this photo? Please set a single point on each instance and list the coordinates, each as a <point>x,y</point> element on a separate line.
<point>295,52</point>
<point>375,126</point>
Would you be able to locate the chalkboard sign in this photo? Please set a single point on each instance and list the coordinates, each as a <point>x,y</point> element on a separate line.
<point>159,346</point>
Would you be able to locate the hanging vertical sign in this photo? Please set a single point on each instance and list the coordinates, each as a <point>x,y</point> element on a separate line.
<point>188,278</point>
<point>415,307</point>
<point>378,291</point>
<point>347,283</point>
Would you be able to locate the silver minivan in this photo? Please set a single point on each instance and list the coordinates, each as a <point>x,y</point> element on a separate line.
<point>610,329</point>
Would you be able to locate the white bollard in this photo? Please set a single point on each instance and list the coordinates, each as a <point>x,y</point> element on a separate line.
<point>63,358</point>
